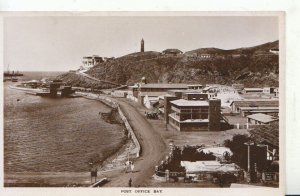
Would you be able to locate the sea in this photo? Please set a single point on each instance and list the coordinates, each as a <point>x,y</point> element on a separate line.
<point>55,134</point>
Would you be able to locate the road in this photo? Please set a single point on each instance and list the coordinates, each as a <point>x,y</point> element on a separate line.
<point>153,146</point>
<point>95,79</point>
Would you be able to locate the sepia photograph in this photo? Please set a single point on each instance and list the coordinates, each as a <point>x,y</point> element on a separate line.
<point>143,100</point>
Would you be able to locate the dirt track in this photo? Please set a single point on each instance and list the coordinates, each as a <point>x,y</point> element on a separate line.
<point>153,148</point>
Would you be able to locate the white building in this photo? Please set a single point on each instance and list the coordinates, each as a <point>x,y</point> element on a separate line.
<point>261,119</point>
<point>90,61</point>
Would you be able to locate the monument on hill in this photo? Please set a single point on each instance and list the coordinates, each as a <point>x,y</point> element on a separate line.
<point>142,45</point>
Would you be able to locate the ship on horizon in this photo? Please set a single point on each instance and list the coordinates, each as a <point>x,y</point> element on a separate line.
<point>11,76</point>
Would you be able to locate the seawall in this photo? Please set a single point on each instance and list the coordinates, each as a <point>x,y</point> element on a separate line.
<point>134,153</point>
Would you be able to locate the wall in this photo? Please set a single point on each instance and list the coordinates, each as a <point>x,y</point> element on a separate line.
<point>136,151</point>
<point>167,107</point>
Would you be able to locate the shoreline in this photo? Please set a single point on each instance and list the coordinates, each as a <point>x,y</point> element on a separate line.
<point>130,148</point>
<point>133,148</point>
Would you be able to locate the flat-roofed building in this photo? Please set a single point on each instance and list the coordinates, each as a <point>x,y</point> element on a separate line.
<point>205,170</point>
<point>159,87</point>
<point>195,115</point>
<point>272,111</point>
<point>261,119</point>
<point>252,90</point>
<point>91,61</point>
<point>195,86</point>
<point>195,96</point>
<point>269,90</point>
<point>236,104</point>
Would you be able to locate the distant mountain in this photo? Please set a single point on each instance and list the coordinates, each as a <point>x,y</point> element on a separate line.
<point>252,66</point>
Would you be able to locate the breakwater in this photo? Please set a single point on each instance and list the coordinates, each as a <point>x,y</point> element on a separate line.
<point>135,152</point>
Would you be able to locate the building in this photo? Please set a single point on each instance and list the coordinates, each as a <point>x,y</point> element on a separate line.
<point>108,59</point>
<point>173,52</point>
<point>237,104</point>
<point>207,170</point>
<point>195,96</point>
<point>90,61</point>
<point>133,92</point>
<point>269,90</point>
<point>195,115</point>
<point>274,51</point>
<point>162,87</point>
<point>261,119</point>
<point>276,92</point>
<point>252,90</point>
<point>268,137</point>
<point>119,93</point>
<point>272,111</point>
<point>204,56</point>
<point>238,87</point>
<point>148,99</point>
<point>195,87</point>
<point>142,45</point>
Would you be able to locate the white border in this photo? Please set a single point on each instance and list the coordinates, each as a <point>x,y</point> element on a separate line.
<point>292,38</point>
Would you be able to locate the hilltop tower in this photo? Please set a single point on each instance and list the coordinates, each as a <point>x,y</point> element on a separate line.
<point>142,45</point>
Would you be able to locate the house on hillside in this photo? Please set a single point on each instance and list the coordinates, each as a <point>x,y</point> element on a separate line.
<point>274,51</point>
<point>108,59</point>
<point>90,61</point>
<point>173,52</point>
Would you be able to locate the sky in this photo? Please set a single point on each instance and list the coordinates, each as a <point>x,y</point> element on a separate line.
<point>58,43</point>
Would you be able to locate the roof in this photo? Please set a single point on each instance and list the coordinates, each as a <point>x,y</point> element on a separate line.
<point>183,102</point>
<point>255,101</point>
<point>194,93</point>
<point>185,90</point>
<point>194,121</point>
<point>263,118</point>
<point>259,108</point>
<point>172,50</point>
<point>208,166</point>
<point>153,94</point>
<point>165,85</point>
<point>195,85</point>
<point>253,89</point>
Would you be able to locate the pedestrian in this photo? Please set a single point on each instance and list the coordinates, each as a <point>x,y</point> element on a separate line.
<point>132,167</point>
<point>129,183</point>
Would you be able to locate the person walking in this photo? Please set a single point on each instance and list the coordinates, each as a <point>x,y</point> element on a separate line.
<point>129,183</point>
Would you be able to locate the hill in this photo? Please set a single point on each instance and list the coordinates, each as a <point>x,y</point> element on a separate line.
<point>252,66</point>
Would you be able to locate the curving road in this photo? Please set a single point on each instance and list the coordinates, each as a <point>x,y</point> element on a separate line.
<point>153,148</point>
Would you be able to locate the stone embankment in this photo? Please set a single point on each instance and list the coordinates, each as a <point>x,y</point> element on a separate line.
<point>134,152</point>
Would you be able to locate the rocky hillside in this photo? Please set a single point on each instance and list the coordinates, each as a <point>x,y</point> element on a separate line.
<point>253,66</point>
